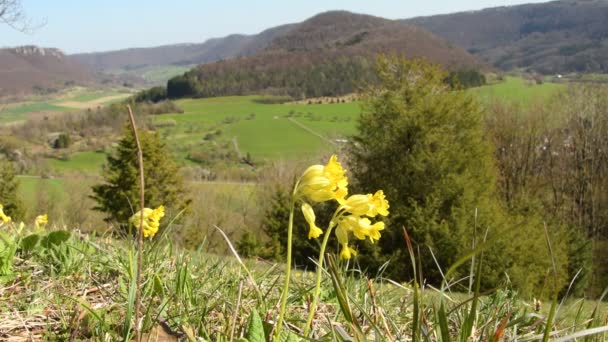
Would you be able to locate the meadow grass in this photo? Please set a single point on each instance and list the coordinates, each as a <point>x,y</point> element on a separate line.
<point>162,73</point>
<point>20,113</point>
<point>65,286</point>
<point>30,187</point>
<point>94,95</point>
<point>54,103</point>
<point>518,90</point>
<point>263,130</point>
<point>80,162</point>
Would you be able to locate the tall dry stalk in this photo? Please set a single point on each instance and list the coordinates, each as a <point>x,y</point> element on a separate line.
<point>140,235</point>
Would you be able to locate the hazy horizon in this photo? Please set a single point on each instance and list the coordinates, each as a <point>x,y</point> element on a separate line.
<point>79,27</point>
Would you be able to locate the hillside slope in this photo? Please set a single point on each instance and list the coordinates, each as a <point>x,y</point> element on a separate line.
<point>559,36</point>
<point>28,69</point>
<point>181,54</point>
<point>326,55</point>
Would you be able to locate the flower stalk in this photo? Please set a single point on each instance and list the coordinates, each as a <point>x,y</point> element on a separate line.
<point>285,292</point>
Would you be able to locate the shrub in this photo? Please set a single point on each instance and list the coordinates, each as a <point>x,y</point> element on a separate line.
<point>62,141</point>
<point>424,144</point>
<point>154,94</point>
<point>9,186</point>
<point>118,196</point>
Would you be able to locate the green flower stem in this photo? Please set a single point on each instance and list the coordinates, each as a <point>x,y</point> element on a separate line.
<point>285,292</point>
<point>317,291</point>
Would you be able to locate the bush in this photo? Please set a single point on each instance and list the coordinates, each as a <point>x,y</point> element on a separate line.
<point>118,197</point>
<point>154,94</point>
<point>62,141</point>
<point>424,145</point>
<point>9,186</point>
<point>182,86</point>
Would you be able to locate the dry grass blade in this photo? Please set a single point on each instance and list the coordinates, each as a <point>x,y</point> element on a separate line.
<point>140,232</point>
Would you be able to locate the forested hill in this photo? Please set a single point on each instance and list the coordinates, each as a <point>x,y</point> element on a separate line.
<point>322,56</point>
<point>181,54</point>
<point>553,37</point>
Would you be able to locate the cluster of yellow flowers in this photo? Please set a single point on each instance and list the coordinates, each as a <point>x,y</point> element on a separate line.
<point>3,217</point>
<point>40,221</point>
<point>151,220</point>
<point>320,183</point>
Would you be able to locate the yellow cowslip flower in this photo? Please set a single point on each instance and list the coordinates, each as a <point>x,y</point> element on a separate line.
<point>41,221</point>
<point>361,227</point>
<point>3,217</point>
<point>357,204</point>
<point>347,252</point>
<point>374,231</point>
<point>310,217</point>
<point>368,205</point>
<point>151,220</point>
<point>379,204</point>
<point>323,183</point>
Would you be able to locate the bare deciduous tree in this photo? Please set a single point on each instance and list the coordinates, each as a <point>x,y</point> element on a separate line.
<point>13,15</point>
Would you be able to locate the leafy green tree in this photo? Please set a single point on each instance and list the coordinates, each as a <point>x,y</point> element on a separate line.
<point>424,145</point>
<point>183,86</point>
<point>118,196</point>
<point>9,197</point>
<point>154,94</point>
<point>63,141</point>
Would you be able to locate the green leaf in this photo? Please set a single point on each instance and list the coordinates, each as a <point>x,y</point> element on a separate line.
<point>29,243</point>
<point>56,238</point>
<point>255,330</point>
<point>8,247</point>
<point>158,286</point>
<point>288,336</point>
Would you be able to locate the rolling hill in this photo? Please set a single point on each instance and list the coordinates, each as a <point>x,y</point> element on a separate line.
<point>28,69</point>
<point>325,55</point>
<point>181,54</point>
<point>554,37</point>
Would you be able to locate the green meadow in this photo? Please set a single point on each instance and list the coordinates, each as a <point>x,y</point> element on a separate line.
<point>517,89</point>
<point>246,126</point>
<point>265,131</point>
<point>82,162</point>
<point>72,100</point>
<point>19,113</point>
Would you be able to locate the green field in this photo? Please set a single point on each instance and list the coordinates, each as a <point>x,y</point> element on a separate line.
<point>158,74</point>
<point>58,103</point>
<point>19,113</point>
<point>30,186</point>
<point>92,96</point>
<point>267,131</point>
<point>517,89</point>
<point>243,125</point>
<point>84,162</point>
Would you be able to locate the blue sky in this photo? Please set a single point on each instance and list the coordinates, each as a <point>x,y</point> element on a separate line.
<point>89,26</point>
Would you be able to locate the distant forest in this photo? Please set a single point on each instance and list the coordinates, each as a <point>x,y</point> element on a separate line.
<point>303,79</point>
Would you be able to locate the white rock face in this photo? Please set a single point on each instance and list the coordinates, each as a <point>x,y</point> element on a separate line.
<point>31,50</point>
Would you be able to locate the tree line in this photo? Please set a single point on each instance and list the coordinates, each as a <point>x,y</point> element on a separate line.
<point>296,76</point>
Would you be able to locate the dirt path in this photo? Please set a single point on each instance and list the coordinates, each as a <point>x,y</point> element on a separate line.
<point>307,129</point>
<point>92,104</point>
<point>236,147</point>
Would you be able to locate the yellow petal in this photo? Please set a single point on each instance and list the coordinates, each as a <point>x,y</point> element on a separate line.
<point>379,204</point>
<point>310,217</point>
<point>347,252</point>
<point>358,204</point>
